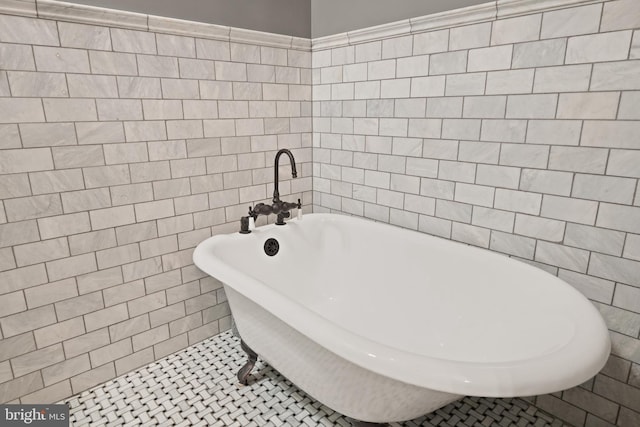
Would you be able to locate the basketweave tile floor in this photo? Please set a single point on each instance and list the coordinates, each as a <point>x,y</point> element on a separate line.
<point>198,387</point>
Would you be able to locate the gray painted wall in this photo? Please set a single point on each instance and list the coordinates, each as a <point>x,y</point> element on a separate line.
<point>290,17</point>
<point>337,16</point>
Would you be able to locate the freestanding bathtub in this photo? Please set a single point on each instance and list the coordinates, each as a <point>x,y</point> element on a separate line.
<point>385,324</point>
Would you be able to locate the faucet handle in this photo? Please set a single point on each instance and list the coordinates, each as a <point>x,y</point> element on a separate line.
<point>299,204</point>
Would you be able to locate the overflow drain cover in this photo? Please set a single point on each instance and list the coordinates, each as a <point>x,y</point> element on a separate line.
<point>271,247</point>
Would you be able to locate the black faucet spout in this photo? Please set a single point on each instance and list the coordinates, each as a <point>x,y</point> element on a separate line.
<point>276,178</point>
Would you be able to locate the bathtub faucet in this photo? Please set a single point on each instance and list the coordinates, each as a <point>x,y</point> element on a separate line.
<point>279,207</point>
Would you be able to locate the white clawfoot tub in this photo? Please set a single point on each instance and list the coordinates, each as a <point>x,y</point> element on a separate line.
<point>384,324</point>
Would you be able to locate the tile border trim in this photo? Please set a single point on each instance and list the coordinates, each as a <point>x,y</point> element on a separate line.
<point>484,12</point>
<point>92,15</point>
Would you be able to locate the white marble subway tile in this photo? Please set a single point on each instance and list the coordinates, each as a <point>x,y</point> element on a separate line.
<point>220,90</point>
<point>171,45</point>
<point>247,91</point>
<point>213,49</point>
<point>17,29</point>
<point>508,243</point>
<point>425,128</point>
<point>514,30</point>
<point>261,73</point>
<point>231,71</point>
<point>133,41</point>
<point>113,63</point>
<point>16,57</point>
<point>635,46</point>
<point>614,268</point>
<point>546,182</point>
<point>9,136</point>
<point>502,221</point>
<point>89,86</point>
<point>412,66</point>
<point>594,239</point>
<point>104,176</point>
<point>4,84</point>
<point>397,47</point>
<point>539,228</point>
<point>554,132</point>
<point>84,36</point>
<point>440,149</point>
<point>245,53</point>
<point>119,109</point>
<point>145,131</point>
<point>629,106</point>
<point>578,159</point>
<point>448,63</point>
<point>468,129</point>
<point>92,241</point>
<point>624,75</point>
<point>181,129</point>
<point>454,211</point>
<point>397,88</point>
<point>614,134</point>
<point>470,234</point>
<point>14,185</point>
<point>70,110</point>
<point>531,106</point>
<point>569,209</point>
<point>470,36</point>
<point>35,253</point>
<point>47,134</point>
<point>604,188</point>
<point>479,152</point>
<point>484,107</point>
<point>436,188</point>
<point>33,207</point>
<point>620,15</point>
<point>30,84</point>
<point>180,89</point>
<point>63,225</point>
<point>56,181</point>
<point>162,109</point>
<point>99,132</point>
<point>436,226</point>
<point>196,69</point>
<point>26,160</point>
<point>121,153</point>
<point>61,59</point>
<point>157,66</point>
<point>274,56</point>
<point>632,247</point>
<point>410,107</point>
<point>477,195</point>
<point>497,176</point>
<point>509,82</point>
<point>217,128</point>
<point>562,256</point>
<point>602,105</point>
<point>427,86</point>
<point>568,78</point>
<point>21,110</point>
<point>366,52</point>
<point>571,22</point>
<point>624,163</point>
<point>457,171</point>
<point>490,58</point>
<point>342,55</point>
<point>539,53</point>
<point>503,130</point>
<point>84,200</point>
<point>288,75</point>
<point>465,84</point>
<point>431,42</point>
<point>598,47</point>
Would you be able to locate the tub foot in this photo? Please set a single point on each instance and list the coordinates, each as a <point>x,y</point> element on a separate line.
<point>243,373</point>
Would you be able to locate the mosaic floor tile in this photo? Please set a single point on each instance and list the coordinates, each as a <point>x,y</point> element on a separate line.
<point>198,387</point>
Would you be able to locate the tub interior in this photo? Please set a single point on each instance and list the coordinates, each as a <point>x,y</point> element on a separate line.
<point>467,304</point>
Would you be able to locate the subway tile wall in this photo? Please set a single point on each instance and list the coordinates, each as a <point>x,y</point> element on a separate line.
<point>520,135</point>
<point>120,151</point>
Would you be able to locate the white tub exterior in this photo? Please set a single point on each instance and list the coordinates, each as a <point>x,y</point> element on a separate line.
<point>386,324</point>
